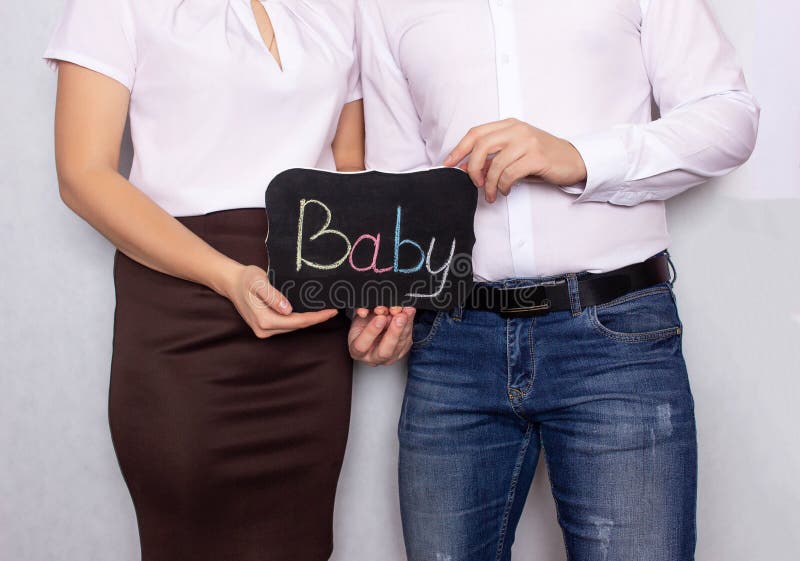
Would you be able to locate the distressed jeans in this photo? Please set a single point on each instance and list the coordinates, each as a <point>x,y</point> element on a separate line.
<point>601,391</point>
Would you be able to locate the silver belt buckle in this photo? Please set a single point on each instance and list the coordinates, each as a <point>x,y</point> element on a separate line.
<point>535,307</point>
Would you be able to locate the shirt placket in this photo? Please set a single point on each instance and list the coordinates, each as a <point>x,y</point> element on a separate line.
<point>510,104</point>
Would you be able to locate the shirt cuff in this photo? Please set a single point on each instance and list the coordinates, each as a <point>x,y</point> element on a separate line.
<point>606,161</point>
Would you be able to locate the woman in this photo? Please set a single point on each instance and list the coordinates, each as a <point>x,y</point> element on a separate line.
<point>230,441</point>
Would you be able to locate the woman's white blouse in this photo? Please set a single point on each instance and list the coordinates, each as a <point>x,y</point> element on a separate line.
<point>213,117</point>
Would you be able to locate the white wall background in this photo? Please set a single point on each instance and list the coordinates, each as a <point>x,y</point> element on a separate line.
<point>735,245</point>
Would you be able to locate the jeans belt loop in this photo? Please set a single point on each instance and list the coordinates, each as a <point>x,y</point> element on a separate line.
<point>457,313</point>
<point>574,294</point>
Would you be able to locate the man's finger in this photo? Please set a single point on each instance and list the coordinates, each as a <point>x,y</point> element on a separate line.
<point>499,163</point>
<point>489,144</point>
<point>513,173</point>
<point>467,143</point>
<point>392,351</point>
<point>389,343</point>
<point>405,336</point>
<point>362,344</point>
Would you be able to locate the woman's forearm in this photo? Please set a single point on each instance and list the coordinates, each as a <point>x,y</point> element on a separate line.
<point>143,230</point>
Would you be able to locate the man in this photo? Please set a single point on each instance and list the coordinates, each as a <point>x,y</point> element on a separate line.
<point>571,343</point>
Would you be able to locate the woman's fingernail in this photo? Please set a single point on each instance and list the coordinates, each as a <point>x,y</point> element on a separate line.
<point>401,321</point>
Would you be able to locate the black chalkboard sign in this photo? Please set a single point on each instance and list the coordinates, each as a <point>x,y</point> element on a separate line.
<point>346,240</point>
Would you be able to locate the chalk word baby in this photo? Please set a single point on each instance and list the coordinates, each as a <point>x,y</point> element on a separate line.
<point>348,256</point>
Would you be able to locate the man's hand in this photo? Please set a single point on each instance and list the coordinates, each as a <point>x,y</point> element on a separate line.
<point>520,150</point>
<point>381,337</point>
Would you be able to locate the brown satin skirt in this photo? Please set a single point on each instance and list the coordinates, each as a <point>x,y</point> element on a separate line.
<point>231,446</point>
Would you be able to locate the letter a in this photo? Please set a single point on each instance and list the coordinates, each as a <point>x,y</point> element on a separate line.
<point>376,245</point>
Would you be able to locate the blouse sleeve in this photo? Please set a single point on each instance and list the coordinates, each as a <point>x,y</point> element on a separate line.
<point>98,35</point>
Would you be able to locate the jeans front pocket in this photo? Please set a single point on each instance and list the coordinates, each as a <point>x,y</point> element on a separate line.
<point>644,315</point>
<point>426,323</point>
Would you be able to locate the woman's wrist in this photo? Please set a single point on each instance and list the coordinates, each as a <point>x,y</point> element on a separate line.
<point>224,276</point>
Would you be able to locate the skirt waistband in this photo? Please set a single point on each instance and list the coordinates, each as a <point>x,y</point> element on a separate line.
<point>237,222</point>
<point>238,233</point>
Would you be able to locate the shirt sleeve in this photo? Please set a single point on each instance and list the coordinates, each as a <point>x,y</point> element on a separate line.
<point>708,123</point>
<point>98,35</point>
<point>393,139</point>
<point>354,92</point>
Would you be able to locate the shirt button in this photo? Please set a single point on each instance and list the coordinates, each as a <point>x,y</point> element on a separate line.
<point>499,2</point>
<point>504,58</point>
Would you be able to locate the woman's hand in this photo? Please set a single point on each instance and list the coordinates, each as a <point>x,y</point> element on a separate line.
<point>519,150</point>
<point>381,337</point>
<point>263,307</point>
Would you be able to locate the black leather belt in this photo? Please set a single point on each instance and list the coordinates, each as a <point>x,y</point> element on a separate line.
<point>553,295</point>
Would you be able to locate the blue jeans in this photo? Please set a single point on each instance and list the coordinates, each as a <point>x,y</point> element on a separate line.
<point>602,391</point>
